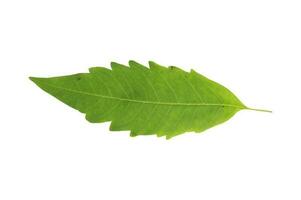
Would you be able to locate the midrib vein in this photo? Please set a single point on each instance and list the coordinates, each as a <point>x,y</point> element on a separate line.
<point>144,102</point>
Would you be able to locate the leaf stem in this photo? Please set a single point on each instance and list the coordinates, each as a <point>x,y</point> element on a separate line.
<point>260,110</point>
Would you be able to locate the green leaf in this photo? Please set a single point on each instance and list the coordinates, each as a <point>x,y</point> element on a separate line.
<point>155,100</point>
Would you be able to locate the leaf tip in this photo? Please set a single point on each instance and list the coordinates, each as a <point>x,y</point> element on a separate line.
<point>34,79</point>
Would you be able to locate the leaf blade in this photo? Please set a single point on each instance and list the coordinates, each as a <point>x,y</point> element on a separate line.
<point>154,100</point>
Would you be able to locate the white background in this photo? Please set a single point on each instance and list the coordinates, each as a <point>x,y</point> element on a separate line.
<point>49,151</point>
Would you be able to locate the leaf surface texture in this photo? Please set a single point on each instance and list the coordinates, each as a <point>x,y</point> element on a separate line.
<point>165,101</point>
